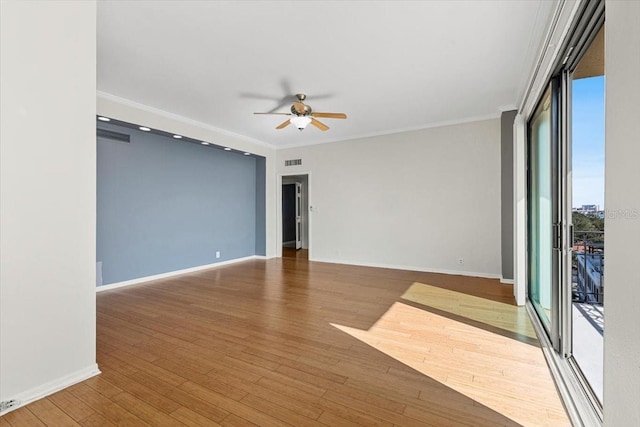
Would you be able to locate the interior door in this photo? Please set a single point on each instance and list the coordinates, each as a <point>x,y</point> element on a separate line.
<point>298,215</point>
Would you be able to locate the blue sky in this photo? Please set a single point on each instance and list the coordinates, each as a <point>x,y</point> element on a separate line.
<point>588,141</point>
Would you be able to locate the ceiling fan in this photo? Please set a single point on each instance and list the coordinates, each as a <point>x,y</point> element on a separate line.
<point>302,115</point>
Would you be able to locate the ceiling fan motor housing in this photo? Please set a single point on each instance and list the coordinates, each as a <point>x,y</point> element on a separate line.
<point>300,109</point>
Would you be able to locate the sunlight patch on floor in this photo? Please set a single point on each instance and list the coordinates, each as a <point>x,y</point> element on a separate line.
<point>497,314</point>
<point>504,374</point>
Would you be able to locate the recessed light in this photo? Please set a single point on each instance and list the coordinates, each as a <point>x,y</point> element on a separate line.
<point>247,154</point>
<point>227,149</point>
<point>177,136</point>
<point>104,119</point>
<point>144,128</point>
<point>204,143</point>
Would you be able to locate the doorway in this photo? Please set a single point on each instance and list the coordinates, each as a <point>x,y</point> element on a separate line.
<point>295,216</point>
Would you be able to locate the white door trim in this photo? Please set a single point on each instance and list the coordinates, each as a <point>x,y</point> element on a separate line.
<point>279,212</point>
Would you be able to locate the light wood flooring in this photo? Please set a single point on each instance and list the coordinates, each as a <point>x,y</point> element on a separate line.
<point>292,342</point>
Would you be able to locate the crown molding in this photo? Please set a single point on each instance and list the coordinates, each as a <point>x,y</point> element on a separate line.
<point>192,122</point>
<point>179,118</point>
<point>398,130</point>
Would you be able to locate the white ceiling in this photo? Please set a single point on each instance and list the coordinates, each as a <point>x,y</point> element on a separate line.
<point>391,66</point>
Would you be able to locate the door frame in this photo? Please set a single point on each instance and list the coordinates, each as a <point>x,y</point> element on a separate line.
<point>279,212</point>
<point>298,210</point>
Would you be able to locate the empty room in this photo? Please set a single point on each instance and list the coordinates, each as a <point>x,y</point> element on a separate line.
<point>319,213</point>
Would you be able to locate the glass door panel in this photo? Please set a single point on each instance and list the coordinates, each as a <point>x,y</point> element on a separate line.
<point>587,217</point>
<point>541,211</point>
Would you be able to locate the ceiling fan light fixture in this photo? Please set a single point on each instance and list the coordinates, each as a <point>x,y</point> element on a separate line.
<point>300,122</point>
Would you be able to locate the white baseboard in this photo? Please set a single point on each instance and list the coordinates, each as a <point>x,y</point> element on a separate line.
<point>506,281</point>
<point>51,387</point>
<point>175,273</point>
<point>410,268</point>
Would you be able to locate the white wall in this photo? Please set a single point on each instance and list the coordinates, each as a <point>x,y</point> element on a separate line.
<point>131,112</point>
<point>47,197</point>
<point>622,224</point>
<point>417,200</point>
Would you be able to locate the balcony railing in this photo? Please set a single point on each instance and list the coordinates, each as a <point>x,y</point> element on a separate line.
<point>588,267</point>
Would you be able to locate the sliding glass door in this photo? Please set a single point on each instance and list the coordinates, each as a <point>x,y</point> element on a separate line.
<point>565,212</point>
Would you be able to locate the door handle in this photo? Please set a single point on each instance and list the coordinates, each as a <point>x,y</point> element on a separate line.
<point>557,236</point>
<point>571,237</point>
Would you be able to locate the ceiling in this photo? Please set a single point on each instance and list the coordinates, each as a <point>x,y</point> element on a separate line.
<point>389,65</point>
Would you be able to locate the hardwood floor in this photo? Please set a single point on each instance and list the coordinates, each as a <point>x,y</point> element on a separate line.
<point>293,342</point>
<point>295,253</point>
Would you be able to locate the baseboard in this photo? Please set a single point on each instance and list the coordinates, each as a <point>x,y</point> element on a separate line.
<point>506,281</point>
<point>175,273</point>
<point>51,387</point>
<point>410,268</point>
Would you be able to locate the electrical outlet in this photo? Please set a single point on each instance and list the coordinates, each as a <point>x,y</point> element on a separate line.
<point>461,261</point>
<point>217,254</point>
<point>8,404</point>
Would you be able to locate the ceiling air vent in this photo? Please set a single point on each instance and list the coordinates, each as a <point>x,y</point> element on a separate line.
<point>114,136</point>
<point>294,162</point>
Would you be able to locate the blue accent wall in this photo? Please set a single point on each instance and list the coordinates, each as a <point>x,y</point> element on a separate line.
<point>261,191</point>
<point>165,205</point>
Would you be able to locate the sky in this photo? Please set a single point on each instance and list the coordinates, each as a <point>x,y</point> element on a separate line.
<point>588,141</point>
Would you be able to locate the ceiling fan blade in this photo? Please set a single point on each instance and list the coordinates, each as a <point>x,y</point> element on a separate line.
<point>276,114</point>
<point>284,124</point>
<point>319,125</point>
<point>330,115</point>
